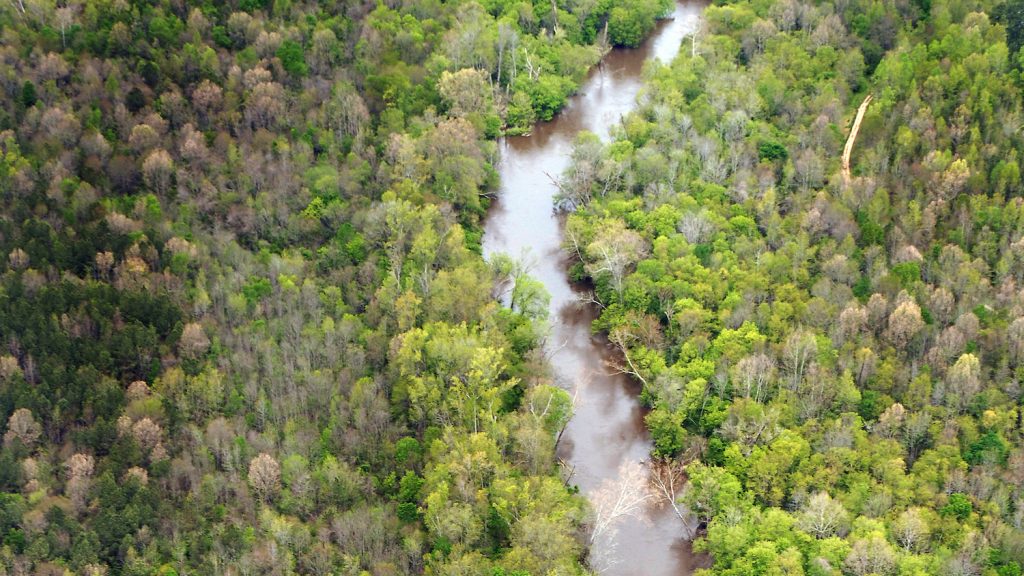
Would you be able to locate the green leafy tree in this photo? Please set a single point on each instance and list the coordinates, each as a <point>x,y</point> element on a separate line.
<point>293,58</point>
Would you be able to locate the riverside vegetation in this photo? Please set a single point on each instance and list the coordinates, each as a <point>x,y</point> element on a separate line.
<point>245,326</point>
<point>840,359</point>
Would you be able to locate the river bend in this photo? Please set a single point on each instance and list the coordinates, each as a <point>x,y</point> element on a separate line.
<point>607,428</point>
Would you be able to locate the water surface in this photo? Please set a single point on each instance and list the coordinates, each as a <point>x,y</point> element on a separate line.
<point>608,427</point>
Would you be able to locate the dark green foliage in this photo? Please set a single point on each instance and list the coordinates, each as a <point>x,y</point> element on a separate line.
<point>10,477</point>
<point>293,58</point>
<point>408,452</point>
<point>548,93</point>
<point>1011,14</point>
<point>989,449</point>
<point>256,289</point>
<point>870,232</point>
<point>28,94</point>
<point>408,512</point>
<point>498,529</point>
<point>862,288</point>
<point>221,37</point>
<point>625,27</point>
<point>166,29</point>
<point>771,151</point>
<point>959,507</point>
<point>253,5</point>
<point>630,22</point>
<point>409,487</point>
<point>1011,569</point>
<point>907,273</point>
<point>150,72</point>
<point>135,99</point>
<point>666,432</point>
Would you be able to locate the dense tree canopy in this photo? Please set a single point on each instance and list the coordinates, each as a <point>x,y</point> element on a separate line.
<point>245,323</point>
<point>245,326</point>
<point>844,356</point>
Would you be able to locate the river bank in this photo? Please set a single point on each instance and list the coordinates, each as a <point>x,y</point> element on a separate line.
<point>607,429</point>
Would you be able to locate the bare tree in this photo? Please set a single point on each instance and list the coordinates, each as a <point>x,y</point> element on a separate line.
<point>753,375</point>
<point>508,40</point>
<point>322,50</point>
<point>137,389</point>
<point>9,367</point>
<point>756,39</point>
<point>206,99</point>
<point>614,252</point>
<point>696,227</point>
<point>22,426</point>
<point>667,478</point>
<point>871,556</point>
<point>911,530</point>
<point>954,179</point>
<point>18,259</point>
<point>194,342</point>
<point>971,558</point>
<point>1015,338</point>
<point>800,349</point>
<point>809,169</point>
<point>465,91</point>
<point>823,517</point>
<point>138,474</point>
<point>852,320</point>
<point>265,475</point>
<point>877,307</point>
<point>615,500</point>
<point>266,105</point>
<point>147,434</point>
<point>80,465</point>
<point>750,423</point>
<point>964,380</point>
<point>79,469</point>
<point>65,19</point>
<point>915,434</point>
<point>891,421</point>
<point>622,337</point>
<point>904,323</point>
<point>220,436</point>
<point>157,170</point>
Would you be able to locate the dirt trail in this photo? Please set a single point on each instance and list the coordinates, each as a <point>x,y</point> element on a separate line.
<point>848,149</point>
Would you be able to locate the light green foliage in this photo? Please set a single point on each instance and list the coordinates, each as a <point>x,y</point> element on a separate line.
<point>629,23</point>
<point>247,323</point>
<point>845,349</point>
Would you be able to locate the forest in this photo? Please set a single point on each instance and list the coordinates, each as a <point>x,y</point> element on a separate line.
<point>835,351</point>
<point>245,323</point>
<point>246,326</point>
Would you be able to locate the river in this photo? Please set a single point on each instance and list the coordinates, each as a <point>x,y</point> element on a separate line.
<point>607,428</point>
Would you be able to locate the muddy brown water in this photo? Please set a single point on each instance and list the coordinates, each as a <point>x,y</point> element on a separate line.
<point>607,428</point>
